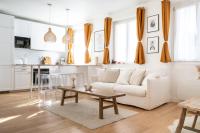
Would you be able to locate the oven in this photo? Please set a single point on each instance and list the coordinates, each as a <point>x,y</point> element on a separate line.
<point>42,71</point>
<point>22,42</point>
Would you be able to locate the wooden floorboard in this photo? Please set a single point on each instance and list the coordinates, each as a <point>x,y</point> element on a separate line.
<point>23,115</point>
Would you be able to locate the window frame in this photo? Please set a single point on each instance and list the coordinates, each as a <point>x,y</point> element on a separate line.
<point>127,37</point>
<point>175,7</point>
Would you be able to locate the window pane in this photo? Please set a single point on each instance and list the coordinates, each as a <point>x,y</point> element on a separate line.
<point>185,34</point>
<point>198,33</point>
<point>132,41</point>
<point>79,47</point>
<point>120,48</point>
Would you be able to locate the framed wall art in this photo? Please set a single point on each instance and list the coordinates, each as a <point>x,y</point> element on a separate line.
<point>153,45</point>
<point>153,23</point>
<point>99,41</point>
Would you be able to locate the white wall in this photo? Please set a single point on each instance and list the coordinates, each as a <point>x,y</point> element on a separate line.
<point>184,83</point>
<point>184,80</point>
<point>183,74</point>
<point>98,25</point>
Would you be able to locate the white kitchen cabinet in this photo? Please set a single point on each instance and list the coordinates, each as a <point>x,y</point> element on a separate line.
<point>6,46</point>
<point>22,28</point>
<point>37,38</point>
<point>22,78</point>
<point>5,78</point>
<point>6,39</point>
<point>6,51</point>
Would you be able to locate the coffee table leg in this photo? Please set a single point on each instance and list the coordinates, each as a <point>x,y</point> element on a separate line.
<point>181,121</point>
<point>195,120</point>
<point>100,108</point>
<point>63,98</point>
<point>76,98</point>
<point>115,105</point>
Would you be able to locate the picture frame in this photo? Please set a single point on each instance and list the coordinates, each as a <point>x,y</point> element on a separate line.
<point>153,23</point>
<point>153,45</point>
<point>99,41</point>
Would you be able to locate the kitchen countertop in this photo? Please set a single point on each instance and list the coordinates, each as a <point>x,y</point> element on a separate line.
<point>54,65</point>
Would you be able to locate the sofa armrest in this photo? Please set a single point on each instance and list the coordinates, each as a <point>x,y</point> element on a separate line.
<point>158,85</point>
<point>158,90</point>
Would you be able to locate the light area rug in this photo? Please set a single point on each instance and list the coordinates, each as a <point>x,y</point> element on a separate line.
<point>188,122</point>
<point>86,113</point>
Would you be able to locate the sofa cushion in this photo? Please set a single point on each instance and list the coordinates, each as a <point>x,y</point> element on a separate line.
<point>99,85</point>
<point>124,76</point>
<point>133,90</point>
<point>100,74</point>
<point>111,75</point>
<point>137,76</point>
<point>103,87</point>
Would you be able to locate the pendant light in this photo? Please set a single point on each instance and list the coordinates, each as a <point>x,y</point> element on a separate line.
<point>66,37</point>
<point>49,36</point>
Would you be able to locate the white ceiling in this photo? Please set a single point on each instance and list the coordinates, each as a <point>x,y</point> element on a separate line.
<point>80,10</point>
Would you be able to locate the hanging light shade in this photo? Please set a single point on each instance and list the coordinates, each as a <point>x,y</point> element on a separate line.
<point>49,36</point>
<point>66,37</point>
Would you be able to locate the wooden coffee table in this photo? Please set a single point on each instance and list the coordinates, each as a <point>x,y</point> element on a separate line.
<point>191,106</point>
<point>100,95</point>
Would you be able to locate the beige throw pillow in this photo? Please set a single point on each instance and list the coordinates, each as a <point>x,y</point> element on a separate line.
<point>111,75</point>
<point>137,77</point>
<point>124,77</point>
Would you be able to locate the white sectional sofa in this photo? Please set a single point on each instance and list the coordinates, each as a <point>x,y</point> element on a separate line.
<point>148,92</point>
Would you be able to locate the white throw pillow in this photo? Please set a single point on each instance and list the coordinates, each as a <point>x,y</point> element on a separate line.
<point>100,74</point>
<point>137,77</point>
<point>124,77</point>
<point>111,75</point>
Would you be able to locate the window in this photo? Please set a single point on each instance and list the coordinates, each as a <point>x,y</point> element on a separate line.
<point>79,47</point>
<point>187,33</point>
<point>125,41</point>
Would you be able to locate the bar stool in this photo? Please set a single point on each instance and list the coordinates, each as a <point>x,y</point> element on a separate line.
<point>48,85</point>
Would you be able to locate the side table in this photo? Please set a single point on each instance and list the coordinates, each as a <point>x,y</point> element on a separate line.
<point>191,105</point>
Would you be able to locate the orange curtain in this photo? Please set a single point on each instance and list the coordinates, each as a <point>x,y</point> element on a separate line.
<point>88,32</point>
<point>139,58</point>
<point>70,59</point>
<point>165,56</point>
<point>107,32</point>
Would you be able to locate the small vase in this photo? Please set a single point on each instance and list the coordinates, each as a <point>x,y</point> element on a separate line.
<point>88,87</point>
<point>73,82</point>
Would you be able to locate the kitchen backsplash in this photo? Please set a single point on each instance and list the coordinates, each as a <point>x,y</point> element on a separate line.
<point>34,57</point>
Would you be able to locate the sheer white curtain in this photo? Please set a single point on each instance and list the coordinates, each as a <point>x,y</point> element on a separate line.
<point>120,43</point>
<point>132,41</point>
<point>79,47</point>
<point>125,41</point>
<point>187,33</point>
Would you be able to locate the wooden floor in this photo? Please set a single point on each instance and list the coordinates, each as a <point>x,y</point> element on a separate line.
<point>19,114</point>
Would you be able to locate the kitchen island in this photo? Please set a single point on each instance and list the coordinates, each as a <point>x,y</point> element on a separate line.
<point>28,70</point>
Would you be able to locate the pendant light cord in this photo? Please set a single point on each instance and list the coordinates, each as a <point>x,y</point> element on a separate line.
<point>49,13</point>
